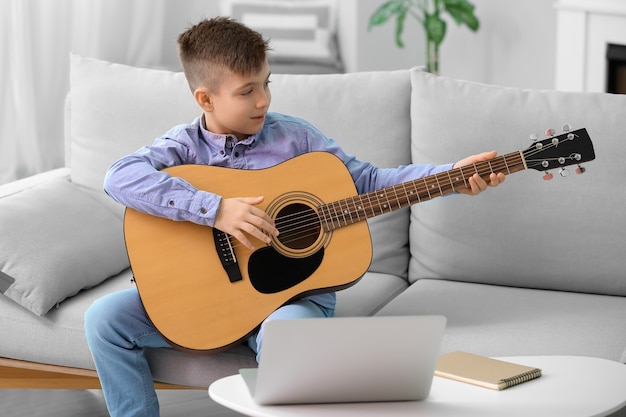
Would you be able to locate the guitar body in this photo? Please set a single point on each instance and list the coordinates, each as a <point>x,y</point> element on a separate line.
<point>199,304</point>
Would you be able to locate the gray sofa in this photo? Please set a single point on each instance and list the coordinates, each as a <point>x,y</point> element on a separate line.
<point>530,268</point>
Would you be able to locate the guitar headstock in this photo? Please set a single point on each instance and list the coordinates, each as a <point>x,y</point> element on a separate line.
<point>568,148</point>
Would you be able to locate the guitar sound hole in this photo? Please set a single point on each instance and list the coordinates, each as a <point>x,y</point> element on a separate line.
<point>299,226</point>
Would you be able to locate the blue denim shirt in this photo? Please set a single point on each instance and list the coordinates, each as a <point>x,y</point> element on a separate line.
<point>136,180</point>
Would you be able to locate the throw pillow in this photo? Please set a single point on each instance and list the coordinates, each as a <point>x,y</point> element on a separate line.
<point>83,244</point>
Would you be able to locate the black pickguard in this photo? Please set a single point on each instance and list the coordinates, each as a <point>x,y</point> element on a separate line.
<point>271,272</point>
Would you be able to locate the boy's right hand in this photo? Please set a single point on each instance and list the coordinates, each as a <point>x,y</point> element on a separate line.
<point>239,217</point>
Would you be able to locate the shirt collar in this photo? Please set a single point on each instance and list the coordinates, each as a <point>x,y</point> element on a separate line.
<point>223,142</point>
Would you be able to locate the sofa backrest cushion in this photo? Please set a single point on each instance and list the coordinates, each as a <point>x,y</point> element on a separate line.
<point>564,234</point>
<point>116,109</point>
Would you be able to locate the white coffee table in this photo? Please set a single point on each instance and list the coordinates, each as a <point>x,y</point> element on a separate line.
<point>570,386</point>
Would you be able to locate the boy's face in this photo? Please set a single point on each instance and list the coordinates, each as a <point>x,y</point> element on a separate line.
<point>240,104</point>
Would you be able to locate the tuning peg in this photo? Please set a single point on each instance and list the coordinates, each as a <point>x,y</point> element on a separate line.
<point>566,128</point>
<point>548,176</point>
<point>534,137</point>
<point>563,172</point>
<point>549,132</point>
<point>580,170</point>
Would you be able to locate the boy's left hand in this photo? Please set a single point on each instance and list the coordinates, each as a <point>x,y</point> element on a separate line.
<point>476,184</point>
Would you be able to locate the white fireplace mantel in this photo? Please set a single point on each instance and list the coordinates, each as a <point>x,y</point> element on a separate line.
<point>584,29</point>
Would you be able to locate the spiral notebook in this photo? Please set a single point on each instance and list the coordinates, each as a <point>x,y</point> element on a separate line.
<point>482,371</point>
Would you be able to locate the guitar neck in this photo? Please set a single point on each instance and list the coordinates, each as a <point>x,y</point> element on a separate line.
<point>351,210</point>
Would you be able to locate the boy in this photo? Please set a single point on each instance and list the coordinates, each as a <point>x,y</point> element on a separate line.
<point>226,66</point>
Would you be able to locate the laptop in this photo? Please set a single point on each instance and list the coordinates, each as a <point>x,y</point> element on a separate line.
<point>347,359</point>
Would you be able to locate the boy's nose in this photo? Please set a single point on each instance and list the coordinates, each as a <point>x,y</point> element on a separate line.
<point>263,99</point>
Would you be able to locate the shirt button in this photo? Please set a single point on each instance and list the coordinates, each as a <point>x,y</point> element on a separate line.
<point>222,152</point>
<point>171,202</point>
<point>203,210</point>
<point>236,154</point>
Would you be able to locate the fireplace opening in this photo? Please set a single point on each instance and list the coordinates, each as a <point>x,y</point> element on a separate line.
<point>616,69</point>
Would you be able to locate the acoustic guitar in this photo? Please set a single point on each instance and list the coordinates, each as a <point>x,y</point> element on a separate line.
<point>205,292</point>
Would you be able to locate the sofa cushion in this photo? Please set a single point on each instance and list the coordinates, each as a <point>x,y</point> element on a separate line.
<point>56,240</point>
<point>493,320</point>
<point>564,234</point>
<point>371,293</point>
<point>133,107</point>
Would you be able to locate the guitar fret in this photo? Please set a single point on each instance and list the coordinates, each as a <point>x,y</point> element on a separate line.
<point>395,192</point>
<point>325,217</point>
<point>512,162</point>
<point>388,205</point>
<point>427,190</point>
<point>349,210</point>
<point>356,209</point>
<point>438,185</point>
<point>369,200</point>
<point>406,194</point>
<point>348,213</point>
<point>335,216</point>
<point>343,213</point>
<point>508,170</point>
<point>451,182</point>
<point>415,193</point>
<point>354,214</point>
<point>464,177</point>
<point>340,215</point>
<point>381,205</point>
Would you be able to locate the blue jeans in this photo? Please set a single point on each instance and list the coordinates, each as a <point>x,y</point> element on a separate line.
<point>117,329</point>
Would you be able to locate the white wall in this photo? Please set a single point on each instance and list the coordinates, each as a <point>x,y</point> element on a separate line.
<point>180,15</point>
<point>515,45</point>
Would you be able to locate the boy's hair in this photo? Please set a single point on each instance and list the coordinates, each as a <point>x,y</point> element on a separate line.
<point>208,48</point>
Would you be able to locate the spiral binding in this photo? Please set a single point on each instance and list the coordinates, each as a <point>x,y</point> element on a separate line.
<point>518,379</point>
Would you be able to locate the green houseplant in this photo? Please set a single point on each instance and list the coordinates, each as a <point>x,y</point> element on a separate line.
<point>429,14</point>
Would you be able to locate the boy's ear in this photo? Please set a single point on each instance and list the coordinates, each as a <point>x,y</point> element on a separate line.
<point>203,98</point>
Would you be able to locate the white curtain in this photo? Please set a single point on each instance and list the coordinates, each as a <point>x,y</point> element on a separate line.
<point>36,37</point>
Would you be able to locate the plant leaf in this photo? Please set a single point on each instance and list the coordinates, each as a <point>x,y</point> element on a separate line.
<point>400,28</point>
<point>435,28</point>
<point>462,11</point>
<point>386,12</point>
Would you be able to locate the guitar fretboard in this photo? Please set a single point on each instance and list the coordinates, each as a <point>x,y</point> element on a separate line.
<point>351,210</point>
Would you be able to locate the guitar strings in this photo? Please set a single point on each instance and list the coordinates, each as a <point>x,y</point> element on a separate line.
<point>296,226</point>
<point>395,196</point>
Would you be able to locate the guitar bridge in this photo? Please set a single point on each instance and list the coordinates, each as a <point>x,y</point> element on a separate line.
<point>226,253</point>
